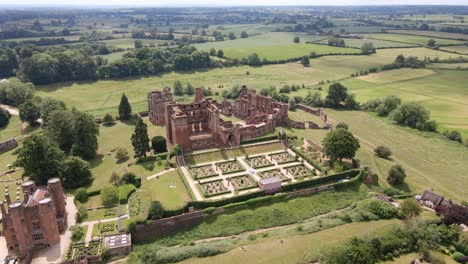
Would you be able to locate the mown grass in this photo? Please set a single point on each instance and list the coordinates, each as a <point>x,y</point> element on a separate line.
<point>169,190</point>
<point>460,49</point>
<point>433,34</point>
<point>413,39</point>
<point>357,43</point>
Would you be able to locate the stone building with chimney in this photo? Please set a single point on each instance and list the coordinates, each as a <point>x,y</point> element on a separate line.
<point>200,125</point>
<point>37,221</point>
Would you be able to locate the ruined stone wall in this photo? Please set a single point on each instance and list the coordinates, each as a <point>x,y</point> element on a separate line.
<point>8,145</point>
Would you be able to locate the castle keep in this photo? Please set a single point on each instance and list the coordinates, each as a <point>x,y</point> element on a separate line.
<point>200,124</point>
<point>38,220</point>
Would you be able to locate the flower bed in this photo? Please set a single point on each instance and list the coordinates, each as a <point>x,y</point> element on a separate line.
<point>299,171</point>
<point>243,182</point>
<point>283,157</point>
<point>273,173</point>
<point>213,188</point>
<point>204,171</point>
<point>259,162</point>
<point>110,212</point>
<point>230,166</point>
<point>106,227</point>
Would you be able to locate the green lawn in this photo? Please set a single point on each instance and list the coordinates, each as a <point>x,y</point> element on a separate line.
<point>193,159</point>
<point>12,130</point>
<point>412,39</point>
<point>297,249</point>
<point>169,189</point>
<point>435,34</point>
<point>460,49</point>
<point>104,213</point>
<point>409,257</point>
<point>357,43</point>
<point>97,231</point>
<point>129,43</point>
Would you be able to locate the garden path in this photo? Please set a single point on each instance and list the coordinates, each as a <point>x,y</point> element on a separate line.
<point>160,173</point>
<point>90,224</point>
<point>11,110</point>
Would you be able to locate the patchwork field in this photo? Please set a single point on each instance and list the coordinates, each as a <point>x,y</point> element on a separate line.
<point>432,34</point>
<point>357,43</point>
<point>419,40</point>
<point>459,49</point>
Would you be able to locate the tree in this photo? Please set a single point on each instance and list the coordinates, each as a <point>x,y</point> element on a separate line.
<point>190,90</point>
<point>410,208</point>
<point>176,150</point>
<point>337,93</point>
<point>232,36</point>
<point>4,117</point>
<point>453,214</point>
<point>48,105</point>
<point>29,112</point>
<point>61,128</point>
<point>76,173</point>
<point>244,34</point>
<point>86,132</point>
<point>125,109</point>
<point>14,92</point>
<point>296,39</point>
<point>114,178</point>
<point>305,61</point>
<point>40,158</point>
<point>8,62</point>
<point>389,104</point>
<point>431,43</point>
<point>340,144</point>
<point>129,178</point>
<point>342,125</point>
<point>382,152</point>
<point>108,119</point>
<point>396,175</point>
<point>454,136</point>
<point>355,250</point>
<point>121,154</point>
<point>367,48</point>
<point>314,99</point>
<point>156,211</point>
<point>77,233</point>
<point>292,104</point>
<point>81,195</point>
<point>254,60</point>
<point>412,115</point>
<point>178,88</point>
<point>351,103</point>
<point>82,214</point>
<point>110,195</point>
<point>220,53</point>
<point>158,144</point>
<point>138,44</point>
<point>140,140</point>
<point>212,52</point>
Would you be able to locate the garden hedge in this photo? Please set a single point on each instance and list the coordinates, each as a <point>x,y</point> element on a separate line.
<point>162,156</point>
<point>309,160</point>
<point>318,181</point>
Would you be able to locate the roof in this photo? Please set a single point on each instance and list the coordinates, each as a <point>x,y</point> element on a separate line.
<point>117,240</point>
<point>36,197</point>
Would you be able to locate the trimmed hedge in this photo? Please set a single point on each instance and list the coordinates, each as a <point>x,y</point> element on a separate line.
<point>318,181</point>
<point>309,160</point>
<point>259,139</point>
<point>125,191</point>
<point>163,156</point>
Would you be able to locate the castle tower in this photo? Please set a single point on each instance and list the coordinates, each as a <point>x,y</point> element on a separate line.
<point>47,219</point>
<point>58,197</point>
<point>21,239</point>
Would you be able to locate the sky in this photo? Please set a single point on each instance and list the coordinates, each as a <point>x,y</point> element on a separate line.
<point>162,3</point>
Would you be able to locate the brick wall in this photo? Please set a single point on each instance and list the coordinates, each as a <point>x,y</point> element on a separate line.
<point>7,145</point>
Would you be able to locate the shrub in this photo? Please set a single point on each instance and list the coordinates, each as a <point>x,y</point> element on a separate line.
<point>396,175</point>
<point>81,195</point>
<point>378,207</point>
<point>81,214</point>
<point>158,143</point>
<point>4,117</point>
<point>110,195</point>
<point>108,119</point>
<point>156,211</point>
<point>77,233</point>
<point>342,125</point>
<point>383,152</point>
<point>457,256</point>
<point>121,154</point>
<point>125,191</point>
<point>410,208</point>
<point>129,178</point>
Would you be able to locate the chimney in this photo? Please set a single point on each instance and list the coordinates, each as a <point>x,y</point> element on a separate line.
<point>2,207</point>
<point>7,197</point>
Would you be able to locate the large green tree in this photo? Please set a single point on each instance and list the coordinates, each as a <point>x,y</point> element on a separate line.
<point>76,173</point>
<point>40,158</point>
<point>29,112</point>
<point>8,62</point>
<point>4,117</point>
<point>411,114</point>
<point>86,132</point>
<point>61,129</point>
<point>178,88</point>
<point>48,105</point>
<point>125,109</point>
<point>14,92</point>
<point>159,144</point>
<point>340,144</point>
<point>337,94</point>
<point>140,139</point>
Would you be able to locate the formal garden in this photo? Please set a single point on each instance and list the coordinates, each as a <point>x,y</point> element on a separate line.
<point>243,182</point>
<point>273,173</point>
<point>283,157</point>
<point>230,166</point>
<point>81,249</point>
<point>300,171</point>
<point>204,171</point>
<point>213,188</point>
<point>258,162</point>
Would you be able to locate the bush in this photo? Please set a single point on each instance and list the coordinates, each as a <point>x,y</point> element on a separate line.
<point>81,195</point>
<point>129,178</point>
<point>108,119</point>
<point>121,154</point>
<point>158,143</point>
<point>378,207</point>
<point>410,208</point>
<point>342,125</point>
<point>110,195</point>
<point>77,233</point>
<point>383,152</point>
<point>4,117</point>
<point>156,211</point>
<point>457,256</point>
<point>81,214</point>
<point>396,175</point>
<point>125,191</point>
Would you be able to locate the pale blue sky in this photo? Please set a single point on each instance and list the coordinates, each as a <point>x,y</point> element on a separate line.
<point>231,2</point>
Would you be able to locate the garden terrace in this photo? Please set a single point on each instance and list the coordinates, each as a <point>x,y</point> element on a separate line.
<point>259,162</point>
<point>242,182</point>
<point>230,166</point>
<point>204,171</point>
<point>283,157</point>
<point>213,188</point>
<point>299,171</point>
<point>273,173</point>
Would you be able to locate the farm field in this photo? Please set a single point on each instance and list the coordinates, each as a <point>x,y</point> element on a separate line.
<point>419,40</point>
<point>129,43</point>
<point>459,49</point>
<point>295,248</point>
<point>449,66</point>
<point>436,34</point>
<point>357,43</point>
<point>431,161</point>
<point>103,96</point>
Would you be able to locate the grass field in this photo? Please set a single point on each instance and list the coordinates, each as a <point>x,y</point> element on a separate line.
<point>126,43</point>
<point>357,43</point>
<point>12,130</point>
<point>460,49</point>
<point>431,161</point>
<point>296,249</point>
<point>101,97</point>
<point>408,258</point>
<point>451,66</point>
<point>434,34</point>
<point>412,39</point>
<point>169,190</point>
